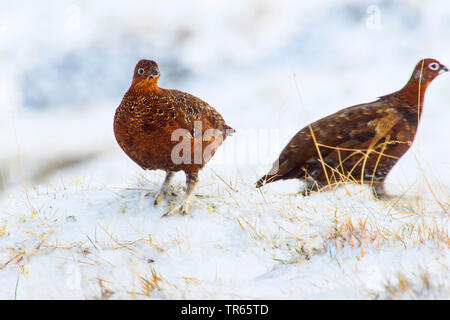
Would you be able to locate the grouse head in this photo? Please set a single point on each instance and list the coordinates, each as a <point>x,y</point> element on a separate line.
<point>428,69</point>
<point>146,72</point>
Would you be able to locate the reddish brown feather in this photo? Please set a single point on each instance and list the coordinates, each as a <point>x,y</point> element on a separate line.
<point>147,116</point>
<point>386,127</point>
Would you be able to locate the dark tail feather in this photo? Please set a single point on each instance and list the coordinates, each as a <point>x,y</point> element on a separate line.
<point>261,182</point>
<point>267,179</point>
<point>290,174</point>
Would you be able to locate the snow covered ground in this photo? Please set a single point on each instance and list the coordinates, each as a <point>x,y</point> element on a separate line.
<point>74,222</point>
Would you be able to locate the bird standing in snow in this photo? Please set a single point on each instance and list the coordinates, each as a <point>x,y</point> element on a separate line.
<point>360,143</point>
<point>168,130</point>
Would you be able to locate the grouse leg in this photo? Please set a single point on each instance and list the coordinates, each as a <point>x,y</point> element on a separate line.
<point>185,204</point>
<point>162,193</point>
<point>378,190</point>
<point>310,186</point>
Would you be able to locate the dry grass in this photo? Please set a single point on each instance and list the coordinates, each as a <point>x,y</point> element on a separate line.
<point>290,229</point>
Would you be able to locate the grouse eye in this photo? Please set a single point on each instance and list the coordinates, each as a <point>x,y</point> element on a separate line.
<point>141,71</point>
<point>434,66</point>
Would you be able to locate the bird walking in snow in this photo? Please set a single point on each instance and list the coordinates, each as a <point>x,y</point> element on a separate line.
<point>168,130</point>
<point>360,144</point>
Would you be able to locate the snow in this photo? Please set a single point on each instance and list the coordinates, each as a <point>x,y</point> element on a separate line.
<point>74,219</point>
<point>245,245</point>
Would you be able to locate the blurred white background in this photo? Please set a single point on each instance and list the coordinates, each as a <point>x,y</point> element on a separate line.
<point>69,229</point>
<point>264,64</point>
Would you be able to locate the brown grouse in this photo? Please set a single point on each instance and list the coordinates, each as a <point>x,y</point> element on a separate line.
<point>168,130</point>
<point>360,143</point>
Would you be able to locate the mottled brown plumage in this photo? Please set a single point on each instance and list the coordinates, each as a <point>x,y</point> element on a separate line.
<point>151,125</point>
<point>360,143</point>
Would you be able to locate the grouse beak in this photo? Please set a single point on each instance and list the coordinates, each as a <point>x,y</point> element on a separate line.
<point>155,73</point>
<point>443,69</point>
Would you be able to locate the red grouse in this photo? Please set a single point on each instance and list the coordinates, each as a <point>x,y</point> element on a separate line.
<point>168,130</point>
<point>360,143</point>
